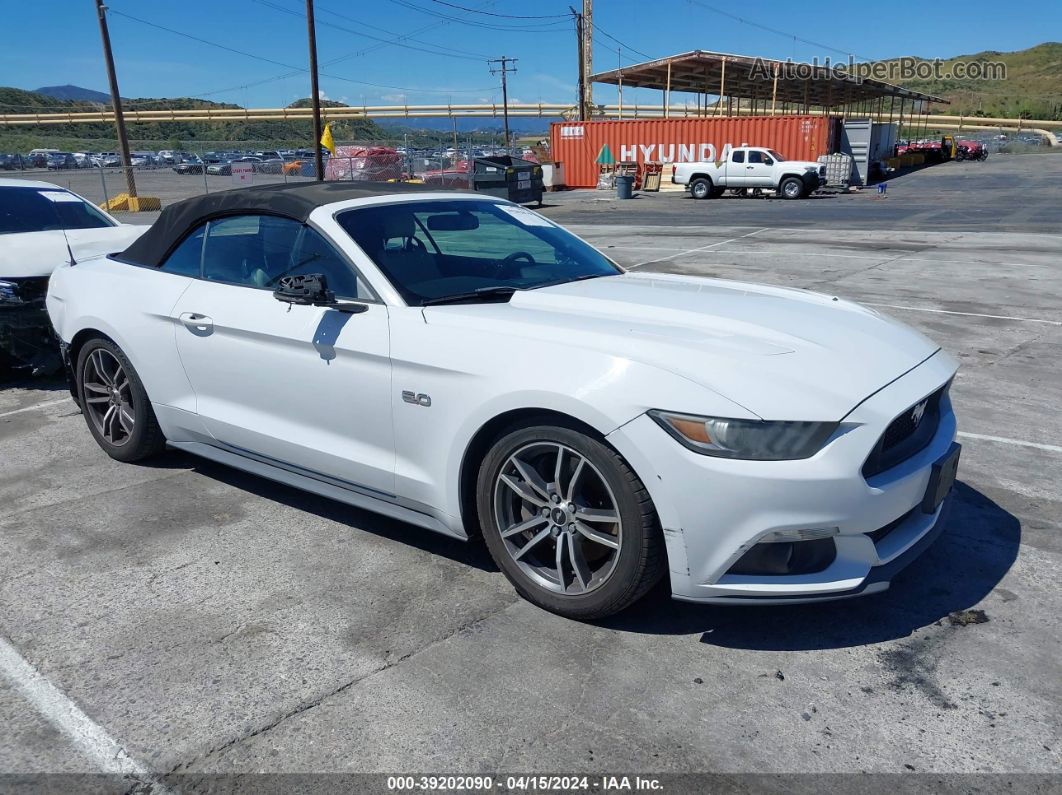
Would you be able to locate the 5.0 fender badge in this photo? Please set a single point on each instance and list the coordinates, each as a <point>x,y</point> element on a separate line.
<point>416,398</point>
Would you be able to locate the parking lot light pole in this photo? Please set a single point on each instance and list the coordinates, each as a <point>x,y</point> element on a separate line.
<point>315,97</point>
<point>116,99</point>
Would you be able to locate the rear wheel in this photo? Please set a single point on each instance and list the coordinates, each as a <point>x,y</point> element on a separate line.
<point>792,188</point>
<point>116,406</point>
<point>701,188</point>
<point>568,522</point>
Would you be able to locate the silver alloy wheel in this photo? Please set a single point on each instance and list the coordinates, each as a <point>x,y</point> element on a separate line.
<point>108,397</point>
<point>701,189</point>
<point>558,518</point>
<point>792,188</point>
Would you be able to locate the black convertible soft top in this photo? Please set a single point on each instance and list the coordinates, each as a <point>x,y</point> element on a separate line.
<point>291,200</point>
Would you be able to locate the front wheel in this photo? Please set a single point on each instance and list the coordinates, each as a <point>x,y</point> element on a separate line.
<point>115,404</point>
<point>568,522</point>
<point>792,188</point>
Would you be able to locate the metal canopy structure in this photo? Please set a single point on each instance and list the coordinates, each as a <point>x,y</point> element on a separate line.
<point>752,82</point>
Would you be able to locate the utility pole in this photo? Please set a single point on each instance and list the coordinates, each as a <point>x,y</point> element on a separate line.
<point>116,99</point>
<point>315,97</point>
<point>504,70</point>
<point>582,63</point>
<point>587,57</point>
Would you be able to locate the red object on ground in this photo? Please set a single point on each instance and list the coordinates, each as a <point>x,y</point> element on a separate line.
<point>577,144</point>
<point>376,163</point>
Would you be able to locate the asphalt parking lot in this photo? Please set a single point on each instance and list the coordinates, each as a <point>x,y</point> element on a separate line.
<point>206,621</point>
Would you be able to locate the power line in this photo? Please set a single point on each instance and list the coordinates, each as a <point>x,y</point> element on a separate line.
<point>293,70</point>
<point>493,14</point>
<point>537,27</point>
<point>436,49</point>
<point>775,31</point>
<point>624,45</point>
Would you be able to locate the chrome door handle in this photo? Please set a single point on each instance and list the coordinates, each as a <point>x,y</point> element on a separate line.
<point>196,321</point>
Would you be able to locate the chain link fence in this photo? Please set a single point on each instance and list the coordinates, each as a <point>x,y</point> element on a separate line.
<point>177,173</point>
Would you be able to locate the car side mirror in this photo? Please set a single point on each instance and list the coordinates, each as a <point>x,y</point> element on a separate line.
<point>311,289</point>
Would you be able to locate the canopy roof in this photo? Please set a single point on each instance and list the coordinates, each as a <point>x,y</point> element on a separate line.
<point>292,200</point>
<point>701,71</point>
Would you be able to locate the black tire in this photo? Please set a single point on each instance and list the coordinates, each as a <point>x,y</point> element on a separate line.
<point>146,438</point>
<point>792,188</point>
<point>701,188</point>
<point>641,559</point>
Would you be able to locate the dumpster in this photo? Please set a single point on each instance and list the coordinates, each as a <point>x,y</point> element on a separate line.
<point>510,178</point>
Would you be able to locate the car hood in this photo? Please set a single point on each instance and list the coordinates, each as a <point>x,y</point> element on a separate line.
<point>29,254</point>
<point>778,352</point>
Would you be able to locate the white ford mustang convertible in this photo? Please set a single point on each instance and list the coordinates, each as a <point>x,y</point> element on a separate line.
<point>468,366</point>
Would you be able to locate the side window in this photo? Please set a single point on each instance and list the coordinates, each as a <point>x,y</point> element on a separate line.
<point>314,254</point>
<point>249,250</point>
<point>186,259</point>
<point>755,157</point>
<point>738,156</point>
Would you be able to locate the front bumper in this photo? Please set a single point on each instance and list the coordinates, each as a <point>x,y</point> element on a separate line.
<point>714,510</point>
<point>27,340</point>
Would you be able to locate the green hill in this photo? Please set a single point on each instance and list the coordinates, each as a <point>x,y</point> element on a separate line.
<point>143,135</point>
<point>1032,88</point>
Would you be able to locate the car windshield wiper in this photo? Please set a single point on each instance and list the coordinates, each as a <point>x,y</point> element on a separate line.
<point>482,294</point>
<point>582,278</point>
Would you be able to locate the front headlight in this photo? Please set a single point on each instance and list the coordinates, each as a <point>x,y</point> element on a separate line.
<point>9,293</point>
<point>752,440</point>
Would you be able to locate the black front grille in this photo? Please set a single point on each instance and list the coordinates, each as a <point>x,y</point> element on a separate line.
<point>906,435</point>
<point>878,535</point>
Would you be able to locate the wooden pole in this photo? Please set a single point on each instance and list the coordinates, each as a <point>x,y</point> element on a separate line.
<point>722,85</point>
<point>116,99</point>
<point>774,90</point>
<point>667,93</point>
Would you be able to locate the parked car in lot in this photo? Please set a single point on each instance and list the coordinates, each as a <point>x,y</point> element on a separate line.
<point>107,160</point>
<point>466,365</point>
<point>224,168</point>
<point>749,167</point>
<point>41,227</point>
<point>61,160</point>
<point>190,165</point>
<point>142,160</point>
<point>12,162</point>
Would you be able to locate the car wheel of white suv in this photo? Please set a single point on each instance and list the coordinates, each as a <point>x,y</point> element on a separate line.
<point>568,522</point>
<point>116,406</point>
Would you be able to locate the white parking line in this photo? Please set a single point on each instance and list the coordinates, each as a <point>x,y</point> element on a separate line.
<point>88,737</point>
<point>699,248</point>
<point>967,314</point>
<point>35,407</point>
<point>1051,448</point>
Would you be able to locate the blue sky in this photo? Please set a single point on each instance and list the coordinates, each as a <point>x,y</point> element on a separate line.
<point>444,60</point>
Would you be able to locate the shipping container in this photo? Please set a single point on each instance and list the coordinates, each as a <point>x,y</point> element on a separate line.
<point>577,144</point>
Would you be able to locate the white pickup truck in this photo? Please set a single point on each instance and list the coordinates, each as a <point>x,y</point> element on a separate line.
<point>749,167</point>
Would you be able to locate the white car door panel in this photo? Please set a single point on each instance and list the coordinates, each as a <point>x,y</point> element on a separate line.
<point>307,386</point>
<point>759,171</point>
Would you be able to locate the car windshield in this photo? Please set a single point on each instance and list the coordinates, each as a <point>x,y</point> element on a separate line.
<point>778,158</point>
<point>434,250</point>
<point>43,210</point>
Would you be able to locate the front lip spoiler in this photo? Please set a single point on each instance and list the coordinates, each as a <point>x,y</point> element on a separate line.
<point>877,580</point>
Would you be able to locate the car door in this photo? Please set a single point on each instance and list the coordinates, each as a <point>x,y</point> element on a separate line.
<point>735,169</point>
<point>759,171</point>
<point>303,386</point>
